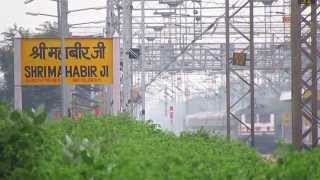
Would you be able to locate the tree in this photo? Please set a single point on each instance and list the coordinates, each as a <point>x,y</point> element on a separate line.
<point>48,29</point>
<point>6,68</point>
<point>12,32</point>
<point>6,62</point>
<point>33,96</point>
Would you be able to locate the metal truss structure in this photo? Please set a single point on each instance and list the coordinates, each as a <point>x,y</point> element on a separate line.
<point>184,38</point>
<point>246,78</point>
<point>305,58</point>
<point>198,36</point>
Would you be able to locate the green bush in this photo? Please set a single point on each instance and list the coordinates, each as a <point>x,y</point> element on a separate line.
<point>293,165</point>
<point>22,147</point>
<point>32,147</point>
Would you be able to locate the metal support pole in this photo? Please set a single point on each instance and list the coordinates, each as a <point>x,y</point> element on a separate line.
<point>227,24</point>
<point>127,44</point>
<point>59,16</point>
<point>314,79</point>
<point>304,74</point>
<point>296,75</point>
<point>252,102</point>
<point>109,33</point>
<point>116,87</point>
<point>143,76</point>
<point>63,30</point>
<point>17,74</point>
<point>247,80</point>
<point>109,19</point>
<point>166,101</point>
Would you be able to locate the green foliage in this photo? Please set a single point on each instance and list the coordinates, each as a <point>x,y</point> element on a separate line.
<point>293,165</point>
<point>6,61</point>
<point>32,147</point>
<point>22,138</point>
<point>6,68</point>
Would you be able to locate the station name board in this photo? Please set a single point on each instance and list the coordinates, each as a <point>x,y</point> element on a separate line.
<point>87,61</point>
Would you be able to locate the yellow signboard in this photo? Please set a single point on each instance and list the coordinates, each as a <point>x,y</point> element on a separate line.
<point>307,2</point>
<point>308,93</point>
<point>286,117</point>
<point>88,61</point>
<point>239,59</point>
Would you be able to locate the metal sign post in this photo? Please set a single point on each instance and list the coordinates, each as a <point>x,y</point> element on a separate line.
<point>116,87</point>
<point>17,75</point>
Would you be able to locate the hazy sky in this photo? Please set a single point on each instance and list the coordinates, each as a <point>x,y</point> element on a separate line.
<point>13,11</point>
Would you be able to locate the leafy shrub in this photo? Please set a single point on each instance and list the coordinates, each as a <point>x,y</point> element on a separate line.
<point>293,165</point>
<point>21,143</point>
<point>32,147</point>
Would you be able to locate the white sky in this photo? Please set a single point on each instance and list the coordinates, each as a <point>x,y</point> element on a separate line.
<point>13,11</point>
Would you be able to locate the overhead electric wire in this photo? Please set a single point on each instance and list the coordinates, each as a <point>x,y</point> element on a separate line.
<point>212,26</point>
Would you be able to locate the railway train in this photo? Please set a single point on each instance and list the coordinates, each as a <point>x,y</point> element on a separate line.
<point>264,123</point>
